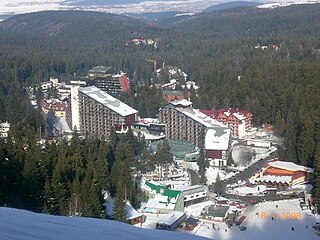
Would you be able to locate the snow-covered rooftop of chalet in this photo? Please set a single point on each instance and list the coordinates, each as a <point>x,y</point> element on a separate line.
<point>108,100</point>
<point>289,166</point>
<point>131,212</point>
<point>5,125</point>
<point>277,179</point>
<point>171,218</point>
<point>182,102</point>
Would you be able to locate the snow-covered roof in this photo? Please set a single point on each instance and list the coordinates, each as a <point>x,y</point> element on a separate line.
<point>161,202</point>
<point>147,135</point>
<point>182,102</point>
<point>171,217</point>
<point>276,179</point>
<point>108,100</point>
<point>217,138</point>
<point>131,212</point>
<point>5,125</point>
<point>191,189</point>
<point>290,166</point>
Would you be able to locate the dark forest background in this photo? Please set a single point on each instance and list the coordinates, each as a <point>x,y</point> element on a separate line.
<point>279,85</point>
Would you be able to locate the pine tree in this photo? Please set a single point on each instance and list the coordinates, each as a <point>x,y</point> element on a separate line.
<point>316,179</point>
<point>92,196</point>
<point>101,166</point>
<point>218,184</point>
<point>202,161</point>
<point>119,206</point>
<point>50,205</point>
<point>306,143</point>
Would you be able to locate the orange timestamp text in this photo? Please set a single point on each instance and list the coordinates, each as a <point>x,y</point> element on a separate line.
<point>279,215</point>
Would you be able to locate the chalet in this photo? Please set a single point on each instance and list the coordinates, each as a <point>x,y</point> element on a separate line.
<point>58,107</point>
<point>191,223</point>
<point>215,212</point>
<point>239,121</point>
<point>282,174</point>
<point>133,216</point>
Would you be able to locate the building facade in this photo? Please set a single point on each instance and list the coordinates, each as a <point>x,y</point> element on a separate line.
<point>282,174</point>
<point>105,79</point>
<point>239,121</point>
<point>187,124</point>
<point>99,112</point>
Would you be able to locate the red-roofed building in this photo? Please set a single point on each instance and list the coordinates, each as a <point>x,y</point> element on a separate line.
<point>239,121</point>
<point>280,173</point>
<point>58,107</point>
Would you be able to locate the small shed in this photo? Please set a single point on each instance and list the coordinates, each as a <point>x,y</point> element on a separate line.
<point>171,221</point>
<point>215,212</point>
<point>191,223</point>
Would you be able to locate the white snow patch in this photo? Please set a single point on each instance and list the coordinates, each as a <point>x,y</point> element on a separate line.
<point>19,224</point>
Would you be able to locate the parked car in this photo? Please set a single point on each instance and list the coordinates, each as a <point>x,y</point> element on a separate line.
<point>243,228</point>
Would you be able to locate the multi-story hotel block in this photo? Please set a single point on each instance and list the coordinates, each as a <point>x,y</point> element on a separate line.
<point>99,112</point>
<point>105,79</point>
<point>187,124</point>
<point>239,121</point>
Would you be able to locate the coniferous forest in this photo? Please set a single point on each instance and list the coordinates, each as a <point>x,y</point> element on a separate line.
<point>221,51</point>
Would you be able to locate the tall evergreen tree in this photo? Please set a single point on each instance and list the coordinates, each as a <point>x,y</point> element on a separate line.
<point>119,206</point>
<point>202,161</point>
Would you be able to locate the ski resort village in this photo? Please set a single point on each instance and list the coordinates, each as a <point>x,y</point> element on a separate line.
<point>214,174</point>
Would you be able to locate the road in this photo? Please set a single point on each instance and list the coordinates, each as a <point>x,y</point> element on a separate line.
<point>244,175</point>
<point>194,177</point>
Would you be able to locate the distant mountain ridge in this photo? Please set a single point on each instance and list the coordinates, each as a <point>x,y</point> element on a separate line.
<point>59,22</point>
<point>229,5</point>
<point>303,20</point>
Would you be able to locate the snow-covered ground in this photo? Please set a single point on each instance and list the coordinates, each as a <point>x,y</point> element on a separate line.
<point>249,190</point>
<point>195,210</point>
<point>265,229</point>
<point>245,156</point>
<point>211,173</point>
<point>23,225</point>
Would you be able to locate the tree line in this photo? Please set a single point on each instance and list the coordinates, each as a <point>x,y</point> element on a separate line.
<point>279,86</point>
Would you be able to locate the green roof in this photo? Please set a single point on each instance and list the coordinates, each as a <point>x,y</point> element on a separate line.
<point>162,189</point>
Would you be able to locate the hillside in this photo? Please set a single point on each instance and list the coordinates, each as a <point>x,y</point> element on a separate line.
<point>19,224</point>
<point>298,20</point>
<point>71,23</point>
